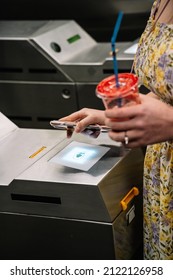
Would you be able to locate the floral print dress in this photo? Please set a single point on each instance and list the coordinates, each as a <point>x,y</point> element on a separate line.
<point>154,66</point>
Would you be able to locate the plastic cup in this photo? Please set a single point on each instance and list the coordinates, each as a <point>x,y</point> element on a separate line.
<point>125,94</point>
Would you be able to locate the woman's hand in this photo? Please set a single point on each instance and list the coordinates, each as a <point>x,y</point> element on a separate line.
<point>83,118</point>
<point>142,124</point>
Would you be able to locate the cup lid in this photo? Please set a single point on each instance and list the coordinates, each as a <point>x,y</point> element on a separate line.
<point>107,87</point>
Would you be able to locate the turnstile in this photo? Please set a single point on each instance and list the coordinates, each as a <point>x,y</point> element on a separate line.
<point>51,211</point>
<point>49,69</point>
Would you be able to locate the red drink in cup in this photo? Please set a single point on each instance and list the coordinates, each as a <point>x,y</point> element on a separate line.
<point>125,94</point>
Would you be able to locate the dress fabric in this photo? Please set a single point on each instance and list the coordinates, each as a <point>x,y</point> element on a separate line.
<point>154,66</point>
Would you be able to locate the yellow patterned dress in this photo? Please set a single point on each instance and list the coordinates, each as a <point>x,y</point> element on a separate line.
<point>154,66</point>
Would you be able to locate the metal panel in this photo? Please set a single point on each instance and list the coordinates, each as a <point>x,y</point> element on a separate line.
<point>39,237</point>
<point>37,103</point>
<point>17,147</point>
<point>27,237</point>
<point>103,186</point>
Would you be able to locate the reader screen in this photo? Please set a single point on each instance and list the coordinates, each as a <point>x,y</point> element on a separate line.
<point>79,155</point>
<point>73,39</point>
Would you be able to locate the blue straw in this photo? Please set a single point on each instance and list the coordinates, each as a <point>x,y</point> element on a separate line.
<point>113,41</point>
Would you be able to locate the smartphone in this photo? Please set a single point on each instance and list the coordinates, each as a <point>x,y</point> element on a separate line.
<point>71,125</point>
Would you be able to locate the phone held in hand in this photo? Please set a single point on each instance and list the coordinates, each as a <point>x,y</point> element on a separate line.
<point>92,130</point>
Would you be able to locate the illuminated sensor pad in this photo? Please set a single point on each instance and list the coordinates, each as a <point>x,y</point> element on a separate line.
<point>79,155</point>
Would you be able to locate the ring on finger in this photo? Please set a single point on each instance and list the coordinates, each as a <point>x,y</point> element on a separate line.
<point>126,138</point>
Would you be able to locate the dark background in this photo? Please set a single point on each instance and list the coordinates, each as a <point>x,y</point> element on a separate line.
<point>97,17</point>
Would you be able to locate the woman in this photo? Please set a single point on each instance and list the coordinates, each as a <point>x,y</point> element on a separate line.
<point>149,123</point>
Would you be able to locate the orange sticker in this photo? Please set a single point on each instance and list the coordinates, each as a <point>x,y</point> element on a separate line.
<point>37,152</point>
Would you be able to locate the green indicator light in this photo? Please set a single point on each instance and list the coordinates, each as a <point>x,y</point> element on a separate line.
<point>73,38</point>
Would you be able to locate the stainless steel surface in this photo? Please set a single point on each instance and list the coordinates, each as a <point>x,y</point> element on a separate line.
<point>103,186</point>
<point>19,29</point>
<point>52,172</point>
<point>96,17</point>
<point>58,205</point>
<point>60,32</point>
<point>17,145</point>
